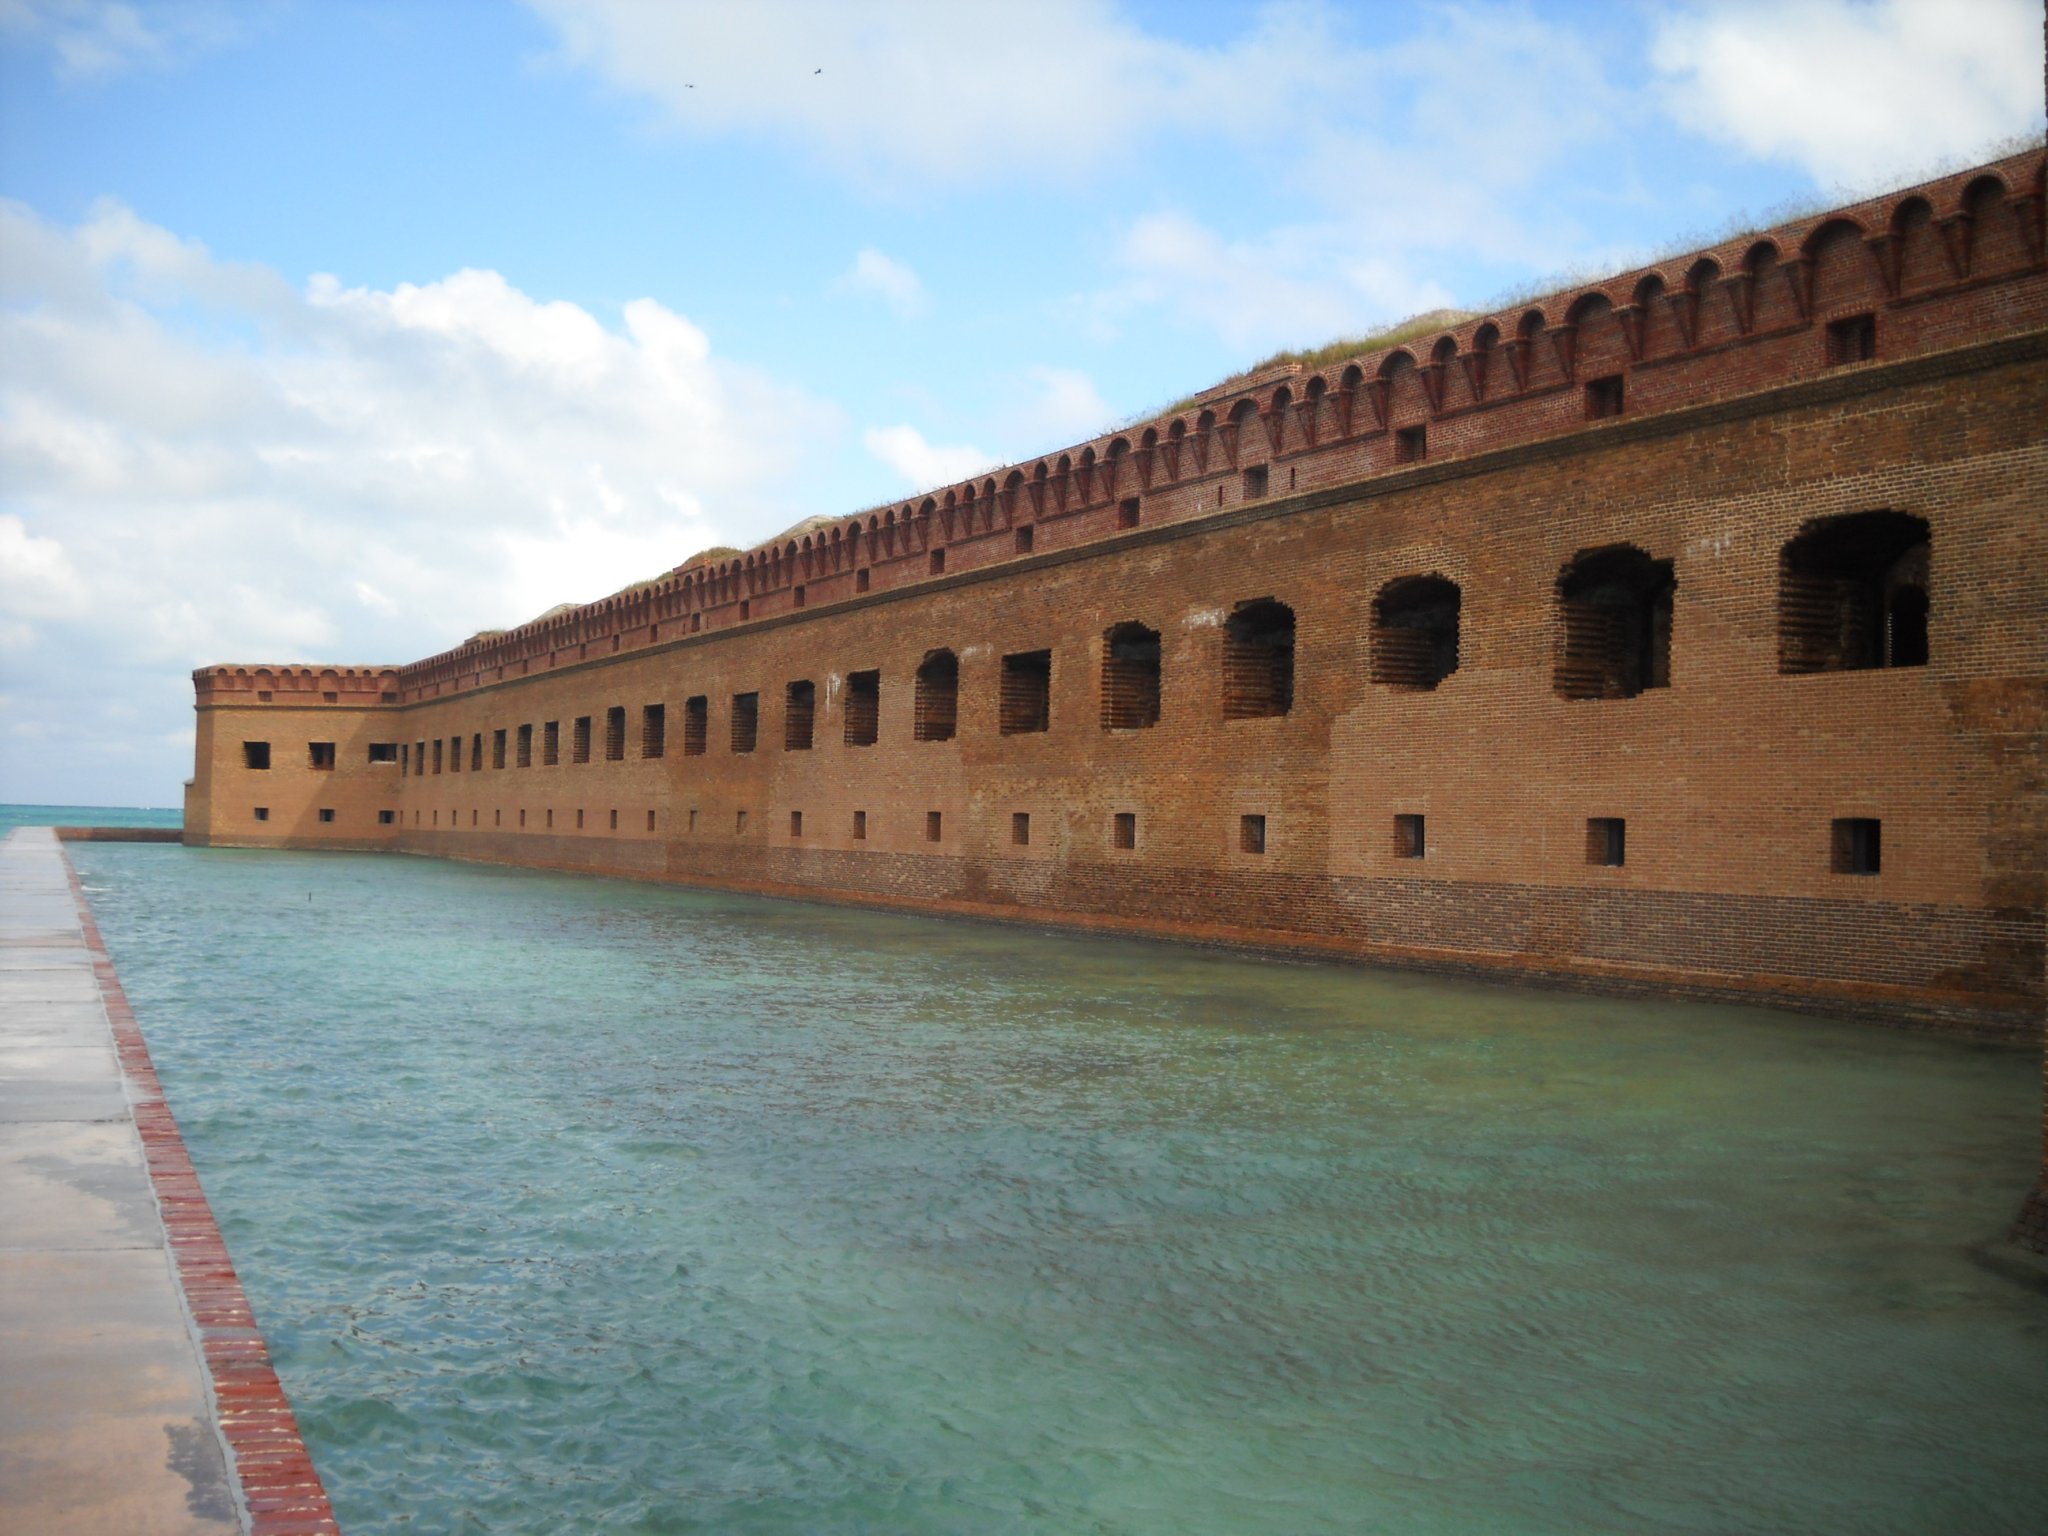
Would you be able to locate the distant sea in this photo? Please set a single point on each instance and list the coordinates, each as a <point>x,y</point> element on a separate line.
<point>12,816</point>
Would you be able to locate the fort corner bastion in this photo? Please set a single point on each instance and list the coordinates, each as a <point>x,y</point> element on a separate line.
<point>1685,632</point>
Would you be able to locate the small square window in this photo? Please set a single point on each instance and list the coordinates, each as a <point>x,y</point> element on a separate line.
<point>1251,834</point>
<point>387,818</point>
<point>1127,512</point>
<point>1852,339</point>
<point>1123,830</point>
<point>1411,445</point>
<point>1025,536</point>
<point>1858,847</point>
<point>1255,482</point>
<point>1604,397</point>
<point>796,823</point>
<point>932,826</point>
<point>330,698</point>
<point>320,755</point>
<point>1607,841</point>
<point>860,826</point>
<point>256,754</point>
<point>938,562</point>
<point>263,813</point>
<point>327,813</point>
<point>1020,828</point>
<point>1408,839</point>
<point>860,580</point>
<point>263,696</point>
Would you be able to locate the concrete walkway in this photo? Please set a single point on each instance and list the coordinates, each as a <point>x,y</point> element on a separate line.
<point>120,1386</point>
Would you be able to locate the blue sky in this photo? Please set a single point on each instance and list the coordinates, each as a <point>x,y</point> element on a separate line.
<point>337,331</point>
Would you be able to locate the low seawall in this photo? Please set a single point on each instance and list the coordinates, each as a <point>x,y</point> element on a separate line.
<point>119,834</point>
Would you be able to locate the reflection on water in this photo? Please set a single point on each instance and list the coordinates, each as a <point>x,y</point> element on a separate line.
<point>577,1205</point>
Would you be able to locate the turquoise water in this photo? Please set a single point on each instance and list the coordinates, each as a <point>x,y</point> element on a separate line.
<point>12,816</point>
<point>578,1205</point>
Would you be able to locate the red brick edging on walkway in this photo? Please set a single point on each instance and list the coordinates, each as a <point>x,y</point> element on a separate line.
<point>280,1487</point>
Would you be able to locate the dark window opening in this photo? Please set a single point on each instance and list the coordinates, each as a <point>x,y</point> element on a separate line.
<point>860,826</point>
<point>1254,482</point>
<point>746,722</point>
<point>1852,339</point>
<point>320,755</point>
<point>1026,699</point>
<point>1408,837</point>
<point>1130,677</point>
<point>696,622</point>
<point>693,819</point>
<point>1615,640</point>
<point>696,725</point>
<point>932,826</point>
<point>1251,834</point>
<point>1123,830</point>
<point>1127,512</point>
<point>1411,445</point>
<point>256,754</point>
<point>796,823</point>
<point>522,819</point>
<point>405,760</point>
<point>330,698</point>
<point>551,819</point>
<point>1258,660</point>
<point>615,734</point>
<point>579,820</point>
<point>1020,828</point>
<point>796,595</point>
<point>387,818</point>
<point>263,813</point>
<point>1025,537</point>
<point>523,751</point>
<point>497,818</point>
<point>650,821</point>
<point>454,755</point>
<point>1607,841</point>
<point>1604,397</point>
<point>863,708</point>
<point>860,579</point>
<point>551,743</point>
<point>938,562</point>
<point>1852,594</point>
<point>327,813</point>
<point>438,744</point>
<point>383,751</point>
<point>579,740</point>
<point>937,707</point>
<point>263,696</point>
<point>615,820</point>
<point>476,752</point>
<point>1415,632</point>
<point>653,730</point>
<point>1857,845</point>
<point>498,748</point>
<point>799,714</point>
<point>746,607</point>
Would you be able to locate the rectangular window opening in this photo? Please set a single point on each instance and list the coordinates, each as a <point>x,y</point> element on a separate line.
<point>256,754</point>
<point>579,740</point>
<point>1858,845</point>
<point>320,755</point>
<point>860,826</point>
<point>932,826</point>
<point>1607,841</point>
<point>476,753</point>
<point>696,725</point>
<point>860,579</point>
<point>551,743</point>
<point>1123,830</point>
<point>1411,445</point>
<point>796,824</point>
<point>1408,838</point>
<point>263,813</point>
<point>653,730</point>
<point>327,813</point>
<point>796,595</point>
<point>1025,704</point>
<point>387,818</point>
<point>739,823</point>
<point>498,748</point>
<point>1025,537</point>
<point>524,750</point>
<point>938,562</point>
<point>1127,512</point>
<point>1251,834</point>
<point>551,819</point>
<point>438,745</point>
<point>799,715</point>
<point>1604,397</point>
<point>522,818</point>
<point>383,751</point>
<point>650,821</point>
<point>1852,339</point>
<point>746,721</point>
<point>1020,828</point>
<point>1255,480</point>
<point>615,734</point>
<point>579,820</point>
<point>615,820</point>
<point>863,708</point>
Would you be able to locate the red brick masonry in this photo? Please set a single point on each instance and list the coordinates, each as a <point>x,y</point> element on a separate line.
<point>280,1487</point>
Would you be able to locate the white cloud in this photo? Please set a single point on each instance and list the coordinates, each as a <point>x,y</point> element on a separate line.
<point>923,465</point>
<point>894,283</point>
<point>1058,406</point>
<point>93,39</point>
<point>200,464</point>
<point>899,91</point>
<point>1854,94</point>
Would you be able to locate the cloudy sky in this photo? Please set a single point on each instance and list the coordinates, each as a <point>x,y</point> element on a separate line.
<point>336,331</point>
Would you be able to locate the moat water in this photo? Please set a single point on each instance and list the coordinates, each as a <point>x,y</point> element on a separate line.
<point>573,1205</point>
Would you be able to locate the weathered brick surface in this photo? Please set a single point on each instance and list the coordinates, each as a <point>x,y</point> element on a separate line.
<point>1740,426</point>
